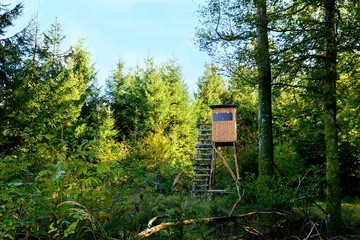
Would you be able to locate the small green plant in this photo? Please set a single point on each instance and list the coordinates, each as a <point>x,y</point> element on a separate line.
<point>77,222</point>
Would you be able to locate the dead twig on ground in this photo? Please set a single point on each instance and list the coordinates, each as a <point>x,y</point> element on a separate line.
<point>153,229</point>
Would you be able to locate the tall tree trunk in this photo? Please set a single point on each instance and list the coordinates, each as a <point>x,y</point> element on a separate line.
<point>266,155</point>
<point>333,197</point>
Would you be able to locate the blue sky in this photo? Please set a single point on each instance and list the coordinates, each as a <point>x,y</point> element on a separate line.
<point>131,30</point>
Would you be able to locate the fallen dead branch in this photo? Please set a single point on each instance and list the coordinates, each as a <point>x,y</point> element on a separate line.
<point>151,230</point>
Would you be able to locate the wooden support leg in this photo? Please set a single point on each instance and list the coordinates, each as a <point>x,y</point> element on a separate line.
<point>236,162</point>
<point>224,162</point>
<point>212,171</point>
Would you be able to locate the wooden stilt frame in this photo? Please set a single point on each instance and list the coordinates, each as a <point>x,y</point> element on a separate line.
<point>217,154</point>
<point>236,162</point>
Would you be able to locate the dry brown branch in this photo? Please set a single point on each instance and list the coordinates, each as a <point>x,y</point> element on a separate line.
<point>240,195</point>
<point>150,230</point>
<point>313,226</point>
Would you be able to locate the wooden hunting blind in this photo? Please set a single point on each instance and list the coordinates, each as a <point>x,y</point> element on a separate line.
<point>224,124</point>
<point>212,136</point>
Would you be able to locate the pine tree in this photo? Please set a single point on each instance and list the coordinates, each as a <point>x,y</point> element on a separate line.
<point>11,55</point>
<point>211,90</point>
<point>153,113</point>
<point>126,94</point>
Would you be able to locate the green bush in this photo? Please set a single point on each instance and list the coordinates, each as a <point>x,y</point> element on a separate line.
<point>288,163</point>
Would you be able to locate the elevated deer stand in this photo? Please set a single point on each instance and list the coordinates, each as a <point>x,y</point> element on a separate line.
<point>223,133</point>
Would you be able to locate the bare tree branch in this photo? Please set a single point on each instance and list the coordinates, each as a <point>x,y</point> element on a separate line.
<point>151,230</point>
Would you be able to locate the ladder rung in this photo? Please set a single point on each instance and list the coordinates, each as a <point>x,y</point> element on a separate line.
<point>204,149</point>
<point>202,169</point>
<point>200,180</point>
<point>202,165</point>
<point>199,191</point>
<point>204,146</point>
<point>202,175</point>
<point>202,172</point>
<point>217,191</point>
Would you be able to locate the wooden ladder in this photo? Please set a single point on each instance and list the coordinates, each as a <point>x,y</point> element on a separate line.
<point>203,160</point>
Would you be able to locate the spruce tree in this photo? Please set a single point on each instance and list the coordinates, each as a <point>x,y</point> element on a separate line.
<point>12,52</point>
<point>211,90</point>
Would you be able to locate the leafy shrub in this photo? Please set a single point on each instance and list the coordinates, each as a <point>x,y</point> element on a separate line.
<point>288,162</point>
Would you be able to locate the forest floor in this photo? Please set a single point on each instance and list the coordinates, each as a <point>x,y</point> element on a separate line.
<point>346,237</point>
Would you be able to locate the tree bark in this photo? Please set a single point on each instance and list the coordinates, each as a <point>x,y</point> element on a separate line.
<point>262,57</point>
<point>333,198</point>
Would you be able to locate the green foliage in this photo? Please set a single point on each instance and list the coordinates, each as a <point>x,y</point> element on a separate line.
<point>288,162</point>
<point>43,164</point>
<point>298,119</point>
<point>154,101</point>
<point>248,160</point>
<point>129,212</point>
<point>350,211</point>
<point>76,165</point>
<point>349,138</point>
<point>211,90</point>
<point>34,202</point>
<point>273,193</point>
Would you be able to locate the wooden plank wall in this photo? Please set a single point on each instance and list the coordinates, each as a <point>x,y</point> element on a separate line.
<point>224,131</point>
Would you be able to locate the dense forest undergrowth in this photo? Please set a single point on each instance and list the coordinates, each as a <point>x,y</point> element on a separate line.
<point>78,163</point>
